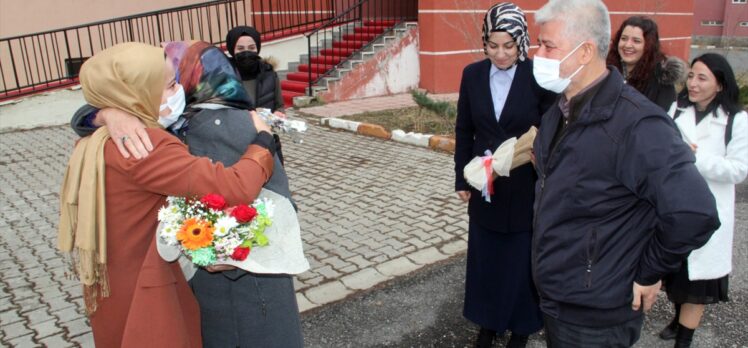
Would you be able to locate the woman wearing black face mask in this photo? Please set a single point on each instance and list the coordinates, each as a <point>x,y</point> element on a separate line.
<point>258,75</point>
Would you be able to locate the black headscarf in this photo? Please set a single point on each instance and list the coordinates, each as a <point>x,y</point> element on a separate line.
<point>234,34</point>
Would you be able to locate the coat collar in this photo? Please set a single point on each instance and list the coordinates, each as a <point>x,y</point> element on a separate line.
<point>601,105</point>
<point>694,133</point>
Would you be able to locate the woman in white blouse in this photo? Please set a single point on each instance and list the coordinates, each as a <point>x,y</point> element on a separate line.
<point>711,120</point>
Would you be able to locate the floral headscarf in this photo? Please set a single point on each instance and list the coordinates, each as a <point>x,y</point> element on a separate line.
<point>207,76</point>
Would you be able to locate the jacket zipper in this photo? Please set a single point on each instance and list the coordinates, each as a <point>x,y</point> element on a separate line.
<point>540,199</point>
<point>591,256</point>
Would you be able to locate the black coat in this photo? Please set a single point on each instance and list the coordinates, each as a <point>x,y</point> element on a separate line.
<point>476,130</point>
<point>660,86</point>
<point>619,200</point>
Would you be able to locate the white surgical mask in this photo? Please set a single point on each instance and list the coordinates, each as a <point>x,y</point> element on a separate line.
<point>547,72</point>
<point>176,104</point>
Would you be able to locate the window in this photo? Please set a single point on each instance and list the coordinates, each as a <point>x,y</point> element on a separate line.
<point>711,23</point>
<point>740,1</point>
<point>744,24</point>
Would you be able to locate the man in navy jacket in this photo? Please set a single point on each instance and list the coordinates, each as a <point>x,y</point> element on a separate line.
<point>619,202</point>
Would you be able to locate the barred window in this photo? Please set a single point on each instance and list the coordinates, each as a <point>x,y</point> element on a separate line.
<point>712,23</point>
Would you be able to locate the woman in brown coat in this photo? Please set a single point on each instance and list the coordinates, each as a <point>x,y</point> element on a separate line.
<point>109,204</point>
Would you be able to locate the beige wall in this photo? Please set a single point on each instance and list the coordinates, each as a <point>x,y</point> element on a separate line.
<point>19,17</point>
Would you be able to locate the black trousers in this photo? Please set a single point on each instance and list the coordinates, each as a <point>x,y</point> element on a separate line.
<point>560,334</point>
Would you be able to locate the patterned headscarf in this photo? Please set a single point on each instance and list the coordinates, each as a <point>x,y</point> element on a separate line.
<point>207,76</point>
<point>508,17</point>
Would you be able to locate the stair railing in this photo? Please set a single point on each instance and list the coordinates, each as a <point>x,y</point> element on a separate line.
<point>351,24</point>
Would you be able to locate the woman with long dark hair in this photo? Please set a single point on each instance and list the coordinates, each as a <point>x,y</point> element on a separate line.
<point>714,124</point>
<point>636,53</point>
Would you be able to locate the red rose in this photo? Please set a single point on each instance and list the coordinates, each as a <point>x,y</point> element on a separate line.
<point>213,201</point>
<point>243,213</point>
<point>240,253</point>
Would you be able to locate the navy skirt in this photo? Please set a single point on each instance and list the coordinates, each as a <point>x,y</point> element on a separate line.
<point>499,291</point>
<point>242,309</point>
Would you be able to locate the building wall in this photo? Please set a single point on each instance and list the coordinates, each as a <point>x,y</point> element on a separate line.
<point>729,32</point>
<point>708,10</point>
<point>734,15</point>
<point>450,32</point>
<point>21,17</point>
<point>392,70</point>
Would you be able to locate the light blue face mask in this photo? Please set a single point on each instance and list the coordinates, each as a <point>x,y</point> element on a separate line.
<point>547,72</point>
<point>176,104</point>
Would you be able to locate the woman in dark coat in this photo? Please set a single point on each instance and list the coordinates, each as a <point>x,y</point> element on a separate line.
<point>258,75</point>
<point>636,53</point>
<point>500,99</point>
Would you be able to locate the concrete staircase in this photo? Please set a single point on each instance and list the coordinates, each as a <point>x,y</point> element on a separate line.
<point>333,59</point>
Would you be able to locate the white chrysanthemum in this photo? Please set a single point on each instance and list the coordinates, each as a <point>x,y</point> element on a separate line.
<point>169,233</point>
<point>223,225</point>
<point>168,214</point>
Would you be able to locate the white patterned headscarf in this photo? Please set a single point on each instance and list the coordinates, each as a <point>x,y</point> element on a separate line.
<point>509,18</point>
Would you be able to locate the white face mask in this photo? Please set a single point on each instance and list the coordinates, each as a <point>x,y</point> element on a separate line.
<point>547,72</point>
<point>176,104</point>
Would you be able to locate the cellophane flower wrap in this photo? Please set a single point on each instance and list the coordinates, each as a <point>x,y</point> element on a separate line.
<point>209,232</point>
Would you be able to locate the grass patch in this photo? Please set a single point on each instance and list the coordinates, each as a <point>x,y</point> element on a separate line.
<point>413,119</point>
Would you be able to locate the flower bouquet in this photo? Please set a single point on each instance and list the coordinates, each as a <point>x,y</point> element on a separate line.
<point>209,232</point>
<point>206,232</point>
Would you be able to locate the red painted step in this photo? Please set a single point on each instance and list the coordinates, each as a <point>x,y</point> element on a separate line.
<point>325,60</point>
<point>316,68</point>
<point>359,37</point>
<point>294,86</point>
<point>340,52</point>
<point>380,22</point>
<point>302,76</point>
<point>349,44</point>
<point>370,29</point>
<point>288,97</point>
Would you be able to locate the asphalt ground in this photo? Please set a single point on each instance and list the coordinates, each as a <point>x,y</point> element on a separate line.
<point>425,309</point>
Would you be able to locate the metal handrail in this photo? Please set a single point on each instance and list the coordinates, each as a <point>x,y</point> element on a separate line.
<point>332,20</point>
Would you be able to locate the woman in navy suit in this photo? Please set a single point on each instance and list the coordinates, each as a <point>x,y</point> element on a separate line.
<point>500,99</point>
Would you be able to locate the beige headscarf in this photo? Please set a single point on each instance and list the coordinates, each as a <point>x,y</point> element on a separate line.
<point>129,77</point>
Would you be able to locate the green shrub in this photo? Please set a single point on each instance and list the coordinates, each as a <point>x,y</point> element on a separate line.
<point>744,96</point>
<point>441,108</point>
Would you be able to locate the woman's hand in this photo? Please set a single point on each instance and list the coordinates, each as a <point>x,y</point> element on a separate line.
<point>280,114</point>
<point>219,268</point>
<point>464,195</point>
<point>127,131</point>
<point>259,123</point>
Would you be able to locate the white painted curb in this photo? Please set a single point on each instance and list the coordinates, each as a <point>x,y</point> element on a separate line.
<point>411,138</point>
<point>340,124</point>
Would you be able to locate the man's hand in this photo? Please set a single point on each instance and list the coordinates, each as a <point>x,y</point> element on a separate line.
<point>127,131</point>
<point>645,295</point>
<point>219,268</point>
<point>259,123</point>
<point>464,195</point>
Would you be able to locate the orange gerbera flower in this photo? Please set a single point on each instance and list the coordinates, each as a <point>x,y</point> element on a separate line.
<point>195,234</point>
